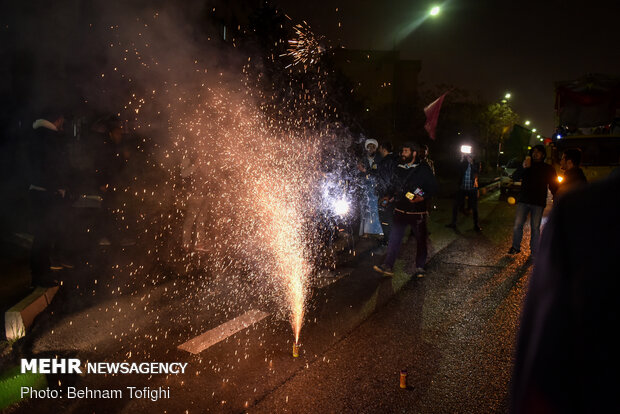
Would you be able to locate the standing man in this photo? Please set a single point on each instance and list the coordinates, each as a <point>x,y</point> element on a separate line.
<point>537,178</point>
<point>468,187</point>
<point>573,174</point>
<point>385,169</point>
<point>370,224</point>
<point>413,183</point>
<point>47,191</point>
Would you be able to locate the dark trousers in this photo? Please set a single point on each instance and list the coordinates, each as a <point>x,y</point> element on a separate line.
<point>45,226</point>
<point>459,202</point>
<point>386,216</point>
<point>420,232</point>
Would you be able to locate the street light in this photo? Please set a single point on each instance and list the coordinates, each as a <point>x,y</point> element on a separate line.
<point>527,123</point>
<point>508,95</point>
<point>533,129</point>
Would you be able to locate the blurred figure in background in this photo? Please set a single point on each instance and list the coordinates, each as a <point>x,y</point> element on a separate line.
<point>567,356</point>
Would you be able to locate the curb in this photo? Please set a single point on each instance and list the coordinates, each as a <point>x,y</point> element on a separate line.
<point>21,316</point>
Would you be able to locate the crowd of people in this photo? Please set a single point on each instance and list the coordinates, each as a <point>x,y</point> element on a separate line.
<point>397,190</point>
<point>563,328</point>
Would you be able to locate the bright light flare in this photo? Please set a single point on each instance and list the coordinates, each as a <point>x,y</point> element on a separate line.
<point>560,178</point>
<point>341,207</point>
<point>435,11</point>
<point>466,149</point>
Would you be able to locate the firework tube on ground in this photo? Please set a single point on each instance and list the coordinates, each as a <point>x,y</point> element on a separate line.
<point>296,349</point>
<point>403,378</point>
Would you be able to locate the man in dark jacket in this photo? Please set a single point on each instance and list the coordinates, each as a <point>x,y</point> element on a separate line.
<point>537,177</point>
<point>47,193</point>
<point>573,174</point>
<point>567,356</point>
<point>413,183</point>
<point>468,187</point>
<point>384,172</point>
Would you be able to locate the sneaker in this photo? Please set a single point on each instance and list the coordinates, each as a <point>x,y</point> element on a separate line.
<point>513,251</point>
<point>420,272</point>
<point>382,268</point>
<point>451,225</point>
<point>477,228</point>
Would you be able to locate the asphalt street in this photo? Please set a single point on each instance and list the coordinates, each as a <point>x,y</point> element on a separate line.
<point>453,331</point>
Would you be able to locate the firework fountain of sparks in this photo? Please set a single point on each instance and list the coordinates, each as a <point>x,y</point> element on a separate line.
<point>306,48</point>
<point>252,170</point>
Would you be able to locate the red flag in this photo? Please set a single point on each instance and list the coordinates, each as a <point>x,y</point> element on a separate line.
<point>432,115</point>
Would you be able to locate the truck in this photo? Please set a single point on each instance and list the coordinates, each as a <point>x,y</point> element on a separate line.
<point>588,117</point>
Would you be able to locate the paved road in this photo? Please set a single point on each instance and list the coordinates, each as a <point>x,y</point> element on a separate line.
<point>452,330</point>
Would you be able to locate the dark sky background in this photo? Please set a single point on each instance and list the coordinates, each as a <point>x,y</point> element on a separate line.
<point>484,46</point>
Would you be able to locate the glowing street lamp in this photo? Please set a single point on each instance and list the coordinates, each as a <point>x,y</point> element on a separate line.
<point>533,129</point>
<point>508,95</point>
<point>527,123</point>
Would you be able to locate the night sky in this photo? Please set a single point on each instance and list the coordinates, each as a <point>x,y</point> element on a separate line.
<point>484,46</point>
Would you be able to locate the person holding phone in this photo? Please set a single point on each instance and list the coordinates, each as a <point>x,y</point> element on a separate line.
<point>468,187</point>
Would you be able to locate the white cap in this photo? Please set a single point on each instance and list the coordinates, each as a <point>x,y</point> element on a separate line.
<point>371,141</point>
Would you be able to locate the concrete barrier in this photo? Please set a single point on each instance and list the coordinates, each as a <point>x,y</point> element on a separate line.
<point>21,316</point>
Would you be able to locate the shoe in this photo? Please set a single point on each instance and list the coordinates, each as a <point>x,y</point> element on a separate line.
<point>451,225</point>
<point>477,228</point>
<point>383,269</point>
<point>420,272</point>
<point>513,251</point>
